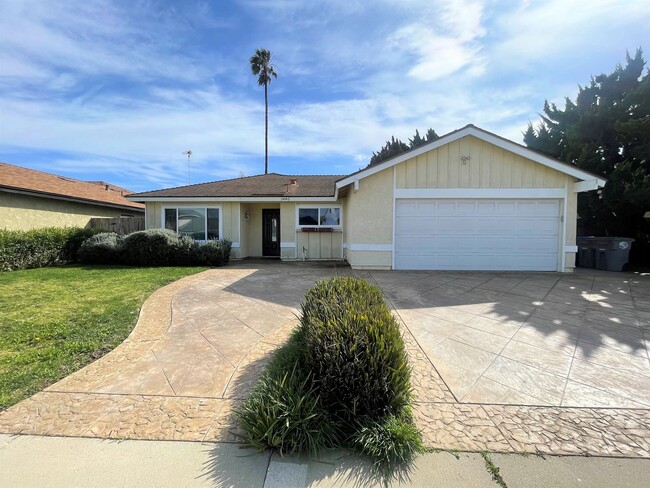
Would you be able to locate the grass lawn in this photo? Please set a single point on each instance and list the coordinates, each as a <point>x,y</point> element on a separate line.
<point>54,321</point>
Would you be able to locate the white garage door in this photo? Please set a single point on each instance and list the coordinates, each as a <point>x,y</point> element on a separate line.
<point>477,234</point>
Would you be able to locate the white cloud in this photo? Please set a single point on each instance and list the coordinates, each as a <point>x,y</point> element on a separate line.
<point>123,89</point>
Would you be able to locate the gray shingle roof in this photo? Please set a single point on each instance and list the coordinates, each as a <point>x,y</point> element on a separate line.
<point>270,185</point>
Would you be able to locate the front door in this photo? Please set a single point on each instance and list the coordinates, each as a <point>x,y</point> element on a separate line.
<point>271,232</point>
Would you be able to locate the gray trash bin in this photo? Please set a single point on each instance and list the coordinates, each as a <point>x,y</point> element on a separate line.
<point>607,253</point>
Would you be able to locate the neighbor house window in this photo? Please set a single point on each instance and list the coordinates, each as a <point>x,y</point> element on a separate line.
<point>319,217</point>
<point>199,223</point>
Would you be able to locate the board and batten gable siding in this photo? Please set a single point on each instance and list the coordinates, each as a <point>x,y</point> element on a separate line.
<point>488,166</point>
<point>230,218</point>
<point>368,222</point>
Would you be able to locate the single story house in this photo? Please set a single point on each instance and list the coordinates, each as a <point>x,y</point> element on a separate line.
<point>470,200</point>
<point>32,199</point>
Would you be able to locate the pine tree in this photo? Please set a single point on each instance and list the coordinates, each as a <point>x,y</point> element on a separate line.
<point>606,131</point>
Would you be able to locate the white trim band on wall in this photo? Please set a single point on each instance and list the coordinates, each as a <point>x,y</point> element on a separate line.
<point>369,247</point>
<point>570,248</point>
<point>494,193</point>
<point>235,244</point>
<point>287,245</point>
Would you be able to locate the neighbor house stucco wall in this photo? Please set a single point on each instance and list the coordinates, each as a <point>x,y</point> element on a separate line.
<point>24,212</point>
<point>230,218</point>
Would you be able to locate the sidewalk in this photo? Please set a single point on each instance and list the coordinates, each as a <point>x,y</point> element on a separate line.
<point>70,462</point>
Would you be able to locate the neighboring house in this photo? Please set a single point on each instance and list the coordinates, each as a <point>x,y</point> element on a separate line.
<point>470,200</point>
<point>30,199</point>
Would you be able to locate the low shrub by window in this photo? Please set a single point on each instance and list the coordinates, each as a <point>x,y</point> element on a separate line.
<point>37,248</point>
<point>104,248</point>
<point>154,247</point>
<point>342,380</point>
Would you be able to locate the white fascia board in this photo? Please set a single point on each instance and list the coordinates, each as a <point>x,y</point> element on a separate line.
<point>479,134</point>
<point>532,155</point>
<point>287,245</point>
<point>492,193</point>
<point>588,185</point>
<point>233,199</point>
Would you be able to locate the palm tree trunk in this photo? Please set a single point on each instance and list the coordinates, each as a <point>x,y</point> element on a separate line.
<point>266,129</point>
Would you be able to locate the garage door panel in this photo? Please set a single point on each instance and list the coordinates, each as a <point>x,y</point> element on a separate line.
<point>477,234</point>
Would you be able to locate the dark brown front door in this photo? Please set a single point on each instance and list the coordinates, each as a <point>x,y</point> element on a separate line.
<point>271,232</point>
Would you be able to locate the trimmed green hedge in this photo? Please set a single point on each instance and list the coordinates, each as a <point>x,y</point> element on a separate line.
<point>153,247</point>
<point>342,380</point>
<point>356,351</point>
<point>37,248</point>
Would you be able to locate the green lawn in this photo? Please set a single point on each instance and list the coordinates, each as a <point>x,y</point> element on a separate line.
<point>54,321</point>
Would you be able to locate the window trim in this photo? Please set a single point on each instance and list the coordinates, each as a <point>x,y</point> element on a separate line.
<point>205,219</point>
<point>338,227</point>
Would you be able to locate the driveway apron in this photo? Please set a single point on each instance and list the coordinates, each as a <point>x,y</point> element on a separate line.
<point>508,362</point>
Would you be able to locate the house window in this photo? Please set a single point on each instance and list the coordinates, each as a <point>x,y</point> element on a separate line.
<point>319,217</point>
<point>199,223</point>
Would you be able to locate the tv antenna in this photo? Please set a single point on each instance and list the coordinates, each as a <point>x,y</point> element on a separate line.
<point>188,153</point>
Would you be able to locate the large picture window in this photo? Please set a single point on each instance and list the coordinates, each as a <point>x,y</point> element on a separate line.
<point>199,223</point>
<point>319,217</point>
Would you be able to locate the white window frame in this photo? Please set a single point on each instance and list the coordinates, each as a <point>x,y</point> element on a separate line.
<point>205,207</point>
<point>325,205</point>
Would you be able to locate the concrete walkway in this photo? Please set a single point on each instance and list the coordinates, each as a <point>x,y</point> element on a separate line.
<point>64,462</point>
<point>490,354</point>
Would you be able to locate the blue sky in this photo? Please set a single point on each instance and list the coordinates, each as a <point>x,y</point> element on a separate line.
<point>117,90</point>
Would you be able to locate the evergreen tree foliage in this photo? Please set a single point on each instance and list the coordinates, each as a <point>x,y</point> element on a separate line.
<point>606,131</point>
<point>395,146</point>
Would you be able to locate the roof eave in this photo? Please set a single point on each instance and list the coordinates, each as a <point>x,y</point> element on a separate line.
<point>56,196</point>
<point>471,130</point>
<point>287,198</point>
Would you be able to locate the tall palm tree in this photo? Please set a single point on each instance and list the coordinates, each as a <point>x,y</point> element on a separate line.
<point>264,70</point>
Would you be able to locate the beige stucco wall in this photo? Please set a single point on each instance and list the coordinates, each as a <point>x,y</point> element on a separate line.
<point>230,218</point>
<point>24,212</point>
<point>571,223</point>
<point>369,220</point>
<point>369,211</point>
<point>488,166</point>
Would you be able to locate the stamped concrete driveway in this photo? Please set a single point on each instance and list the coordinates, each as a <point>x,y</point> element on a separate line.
<point>575,340</point>
<point>522,362</point>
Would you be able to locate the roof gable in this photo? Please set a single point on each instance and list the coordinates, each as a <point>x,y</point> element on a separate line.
<point>471,130</point>
<point>25,180</point>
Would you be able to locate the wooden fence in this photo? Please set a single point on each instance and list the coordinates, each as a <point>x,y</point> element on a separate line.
<point>120,225</point>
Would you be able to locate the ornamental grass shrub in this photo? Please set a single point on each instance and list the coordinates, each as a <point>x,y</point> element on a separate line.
<point>283,410</point>
<point>37,248</point>
<point>342,380</point>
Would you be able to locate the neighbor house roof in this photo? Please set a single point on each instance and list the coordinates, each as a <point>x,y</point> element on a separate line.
<point>23,180</point>
<point>260,186</point>
<point>594,181</point>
